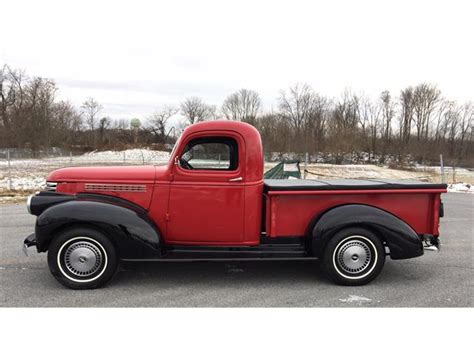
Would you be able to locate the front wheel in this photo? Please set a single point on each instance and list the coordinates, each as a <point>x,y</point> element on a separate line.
<point>82,258</point>
<point>353,257</point>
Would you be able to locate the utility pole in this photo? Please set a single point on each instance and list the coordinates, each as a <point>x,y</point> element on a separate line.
<point>442,168</point>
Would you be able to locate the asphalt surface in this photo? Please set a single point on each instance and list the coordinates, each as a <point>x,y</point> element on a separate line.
<point>442,279</point>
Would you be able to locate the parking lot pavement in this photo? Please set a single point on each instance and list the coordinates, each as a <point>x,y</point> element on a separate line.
<point>442,279</point>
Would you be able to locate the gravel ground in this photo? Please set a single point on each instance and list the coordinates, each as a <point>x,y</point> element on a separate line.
<point>433,280</point>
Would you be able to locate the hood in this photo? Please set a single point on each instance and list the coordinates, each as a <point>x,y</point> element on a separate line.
<point>131,174</point>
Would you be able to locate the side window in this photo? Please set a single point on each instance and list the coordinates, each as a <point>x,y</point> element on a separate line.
<point>210,153</point>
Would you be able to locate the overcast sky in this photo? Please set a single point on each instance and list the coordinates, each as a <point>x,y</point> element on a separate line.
<point>133,56</point>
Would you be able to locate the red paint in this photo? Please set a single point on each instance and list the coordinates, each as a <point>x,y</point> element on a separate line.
<point>290,214</point>
<point>105,174</point>
<point>204,207</point>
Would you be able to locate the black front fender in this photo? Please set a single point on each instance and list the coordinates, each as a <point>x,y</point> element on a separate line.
<point>132,232</point>
<point>401,239</point>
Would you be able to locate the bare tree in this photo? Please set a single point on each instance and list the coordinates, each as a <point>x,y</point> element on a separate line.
<point>104,125</point>
<point>453,129</point>
<point>465,126</point>
<point>91,109</point>
<point>36,124</point>
<point>243,105</point>
<point>66,124</point>
<point>369,114</point>
<point>374,126</point>
<point>316,123</point>
<point>274,131</point>
<point>445,116</point>
<point>306,113</point>
<point>440,129</point>
<point>297,104</point>
<point>425,99</point>
<point>195,110</point>
<point>343,125</point>
<point>406,114</point>
<point>388,112</point>
<point>158,120</point>
<point>11,102</point>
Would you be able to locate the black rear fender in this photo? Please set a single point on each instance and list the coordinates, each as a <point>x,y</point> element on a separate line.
<point>401,239</point>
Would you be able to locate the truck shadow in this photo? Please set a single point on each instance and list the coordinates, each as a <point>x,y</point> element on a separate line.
<point>219,273</point>
<point>253,273</point>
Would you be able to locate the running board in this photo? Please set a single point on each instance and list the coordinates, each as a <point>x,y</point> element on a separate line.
<point>189,259</point>
<point>209,253</point>
<point>261,251</point>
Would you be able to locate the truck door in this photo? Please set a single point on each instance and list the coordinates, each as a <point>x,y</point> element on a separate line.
<point>207,193</point>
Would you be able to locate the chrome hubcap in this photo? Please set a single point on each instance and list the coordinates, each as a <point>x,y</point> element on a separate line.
<point>83,258</point>
<point>354,256</point>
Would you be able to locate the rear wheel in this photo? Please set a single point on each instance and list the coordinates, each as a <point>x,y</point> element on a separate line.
<point>82,258</point>
<point>353,257</point>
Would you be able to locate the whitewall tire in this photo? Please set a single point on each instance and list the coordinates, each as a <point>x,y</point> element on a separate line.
<point>353,256</point>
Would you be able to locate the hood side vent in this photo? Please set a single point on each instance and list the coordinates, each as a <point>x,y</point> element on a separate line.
<point>115,187</point>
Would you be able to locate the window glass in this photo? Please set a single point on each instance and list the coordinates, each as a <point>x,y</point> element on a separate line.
<point>210,154</point>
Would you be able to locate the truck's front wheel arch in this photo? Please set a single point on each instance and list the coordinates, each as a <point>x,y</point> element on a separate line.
<point>133,232</point>
<point>75,225</point>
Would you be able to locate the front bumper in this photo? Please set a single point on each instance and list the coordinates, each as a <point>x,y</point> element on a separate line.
<point>29,241</point>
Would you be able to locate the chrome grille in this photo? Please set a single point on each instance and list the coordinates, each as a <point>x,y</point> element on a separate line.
<point>50,186</point>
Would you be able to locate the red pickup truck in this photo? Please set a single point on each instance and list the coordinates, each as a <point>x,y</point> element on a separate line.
<point>211,202</point>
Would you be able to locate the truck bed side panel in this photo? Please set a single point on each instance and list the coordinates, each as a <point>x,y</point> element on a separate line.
<point>291,214</point>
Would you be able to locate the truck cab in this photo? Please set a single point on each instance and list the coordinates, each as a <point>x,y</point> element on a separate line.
<point>215,186</point>
<point>211,202</point>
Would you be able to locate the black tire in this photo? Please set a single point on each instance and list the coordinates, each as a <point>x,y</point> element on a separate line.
<point>353,257</point>
<point>82,258</point>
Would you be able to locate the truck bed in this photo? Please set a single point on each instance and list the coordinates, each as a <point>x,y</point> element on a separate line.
<point>291,205</point>
<point>347,184</point>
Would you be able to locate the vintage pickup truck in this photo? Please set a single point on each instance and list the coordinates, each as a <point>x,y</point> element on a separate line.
<point>210,202</point>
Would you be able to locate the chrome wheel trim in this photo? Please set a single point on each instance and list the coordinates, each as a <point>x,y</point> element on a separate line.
<point>359,246</point>
<point>83,243</point>
<point>354,256</point>
<point>82,258</point>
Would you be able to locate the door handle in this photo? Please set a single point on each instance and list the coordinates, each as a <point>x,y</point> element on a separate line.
<point>236,179</point>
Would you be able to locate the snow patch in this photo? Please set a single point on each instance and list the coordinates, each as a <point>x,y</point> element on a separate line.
<point>145,155</point>
<point>461,187</point>
<point>23,184</point>
<point>30,174</point>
